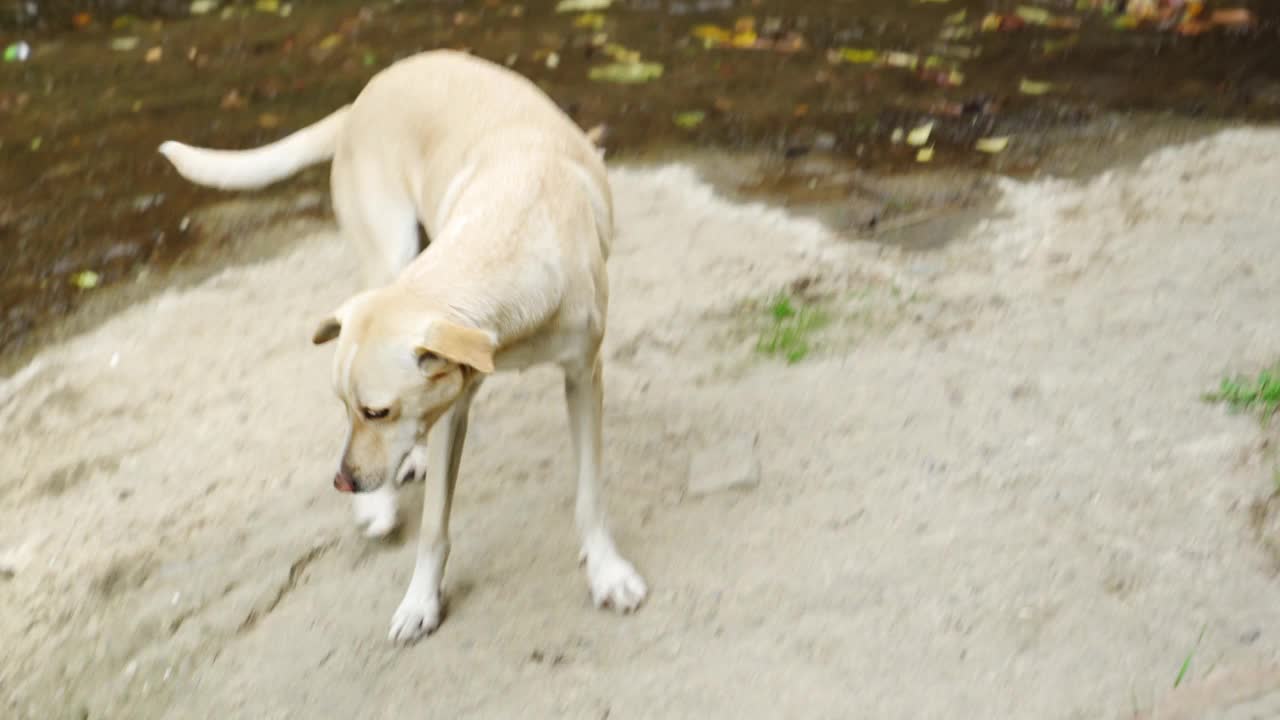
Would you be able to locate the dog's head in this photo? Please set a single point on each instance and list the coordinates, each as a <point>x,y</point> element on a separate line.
<point>397,371</point>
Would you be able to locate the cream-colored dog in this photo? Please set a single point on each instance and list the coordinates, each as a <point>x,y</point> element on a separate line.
<point>516,203</point>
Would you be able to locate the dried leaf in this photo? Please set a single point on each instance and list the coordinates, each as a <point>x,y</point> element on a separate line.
<point>81,20</point>
<point>267,6</point>
<point>956,18</point>
<point>203,7</point>
<point>85,279</point>
<point>330,42</point>
<point>1232,17</point>
<point>154,54</point>
<point>925,155</point>
<point>268,120</point>
<point>124,44</point>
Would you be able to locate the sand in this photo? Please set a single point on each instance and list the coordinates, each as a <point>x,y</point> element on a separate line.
<point>991,489</point>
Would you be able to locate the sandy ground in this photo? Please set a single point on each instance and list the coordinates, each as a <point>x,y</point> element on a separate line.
<point>991,491</point>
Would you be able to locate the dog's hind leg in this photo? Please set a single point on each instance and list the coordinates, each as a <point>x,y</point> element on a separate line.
<point>381,224</point>
<point>613,580</point>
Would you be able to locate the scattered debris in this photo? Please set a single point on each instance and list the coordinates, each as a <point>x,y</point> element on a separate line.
<point>124,44</point>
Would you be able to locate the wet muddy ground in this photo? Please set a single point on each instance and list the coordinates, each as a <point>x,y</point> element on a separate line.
<point>878,115</point>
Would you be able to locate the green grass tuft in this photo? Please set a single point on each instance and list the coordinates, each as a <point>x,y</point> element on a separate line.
<point>1241,394</point>
<point>790,328</point>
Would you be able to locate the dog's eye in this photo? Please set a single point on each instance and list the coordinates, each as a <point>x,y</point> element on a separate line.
<point>374,414</point>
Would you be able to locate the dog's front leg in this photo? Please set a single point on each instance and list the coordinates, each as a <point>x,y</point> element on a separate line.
<point>613,580</point>
<point>420,611</point>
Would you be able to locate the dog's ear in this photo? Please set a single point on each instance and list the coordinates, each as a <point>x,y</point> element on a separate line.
<point>327,330</point>
<point>457,343</point>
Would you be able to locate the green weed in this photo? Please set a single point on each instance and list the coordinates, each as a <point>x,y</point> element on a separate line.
<point>1241,394</point>
<point>790,328</point>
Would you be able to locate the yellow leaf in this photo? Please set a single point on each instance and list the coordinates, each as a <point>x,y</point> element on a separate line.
<point>858,56</point>
<point>1033,15</point>
<point>1032,87</point>
<point>594,21</point>
<point>925,155</point>
<point>920,135</point>
<point>992,145</point>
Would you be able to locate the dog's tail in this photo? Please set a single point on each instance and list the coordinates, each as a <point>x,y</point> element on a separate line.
<point>248,169</point>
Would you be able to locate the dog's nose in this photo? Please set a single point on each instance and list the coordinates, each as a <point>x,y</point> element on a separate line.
<point>342,483</point>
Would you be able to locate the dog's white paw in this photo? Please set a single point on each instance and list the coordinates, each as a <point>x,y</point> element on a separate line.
<point>418,616</point>
<point>376,512</point>
<point>614,581</point>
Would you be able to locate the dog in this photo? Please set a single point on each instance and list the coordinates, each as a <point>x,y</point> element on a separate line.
<point>515,201</point>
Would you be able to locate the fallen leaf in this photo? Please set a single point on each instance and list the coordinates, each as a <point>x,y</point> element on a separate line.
<point>992,145</point>
<point>690,119</point>
<point>1053,46</point>
<point>593,21</point>
<point>1033,15</point>
<point>626,73</point>
<point>267,6</point>
<point>203,7</point>
<point>268,120</point>
<point>1032,87</point>
<point>857,56</point>
<point>800,110</point>
<point>232,101</point>
<point>956,18</point>
<point>553,61</point>
<point>920,135</point>
<point>17,52</point>
<point>901,60</point>
<point>896,137</point>
<point>36,143</point>
<point>81,20</point>
<point>124,44</point>
<point>1233,17</point>
<point>925,155</point>
<point>744,39</point>
<point>991,22</point>
<point>85,279</point>
<point>330,41</point>
<point>154,54</point>
<point>744,25</point>
<point>565,6</point>
<point>713,34</point>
